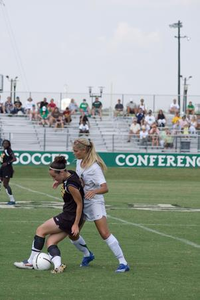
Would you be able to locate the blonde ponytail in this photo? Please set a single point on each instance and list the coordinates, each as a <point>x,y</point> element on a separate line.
<point>91,154</point>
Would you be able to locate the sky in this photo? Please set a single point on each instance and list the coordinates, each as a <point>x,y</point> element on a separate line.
<point>126,46</point>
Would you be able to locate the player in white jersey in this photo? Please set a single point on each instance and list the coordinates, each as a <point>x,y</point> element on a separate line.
<point>90,169</point>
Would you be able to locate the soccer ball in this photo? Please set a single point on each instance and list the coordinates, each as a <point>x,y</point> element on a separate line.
<point>41,262</point>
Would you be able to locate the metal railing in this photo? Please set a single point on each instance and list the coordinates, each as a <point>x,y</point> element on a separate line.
<point>47,140</point>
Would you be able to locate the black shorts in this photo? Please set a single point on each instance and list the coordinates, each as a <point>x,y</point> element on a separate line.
<point>64,223</point>
<point>6,172</point>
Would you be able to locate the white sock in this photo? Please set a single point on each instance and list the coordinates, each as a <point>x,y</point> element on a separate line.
<point>34,252</point>
<point>56,260</point>
<point>80,244</point>
<point>114,246</point>
<point>12,199</point>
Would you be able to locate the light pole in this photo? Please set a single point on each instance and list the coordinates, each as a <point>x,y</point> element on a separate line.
<point>13,86</point>
<point>185,90</point>
<point>179,25</point>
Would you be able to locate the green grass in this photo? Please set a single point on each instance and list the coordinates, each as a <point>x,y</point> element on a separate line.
<point>163,266</point>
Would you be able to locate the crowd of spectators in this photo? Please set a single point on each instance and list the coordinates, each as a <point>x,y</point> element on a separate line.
<point>48,114</point>
<point>146,125</point>
<point>149,128</point>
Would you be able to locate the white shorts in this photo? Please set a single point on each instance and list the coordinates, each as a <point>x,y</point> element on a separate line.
<point>94,210</point>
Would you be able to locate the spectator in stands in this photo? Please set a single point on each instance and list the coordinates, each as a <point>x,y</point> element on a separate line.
<point>43,103</point>
<point>8,105</point>
<point>174,107</point>
<point>183,121</point>
<point>150,119</point>
<point>154,135</point>
<point>166,139</point>
<point>161,119</point>
<point>59,122</point>
<point>134,130</point>
<point>73,107</point>
<point>143,136</point>
<point>18,109</point>
<point>140,116</point>
<point>131,108</point>
<point>2,107</point>
<point>67,116</point>
<point>97,108</point>
<point>84,108</point>
<point>85,118</point>
<point>190,109</point>
<point>144,123</point>
<point>83,128</point>
<point>51,106</point>
<point>185,129</point>
<point>44,115</point>
<point>33,113</point>
<point>119,109</point>
<point>142,106</point>
<point>55,117</point>
<point>193,125</point>
<point>28,106</point>
<point>176,118</point>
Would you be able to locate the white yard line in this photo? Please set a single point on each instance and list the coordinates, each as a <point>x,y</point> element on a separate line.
<point>110,223</point>
<point>189,243</point>
<point>36,192</point>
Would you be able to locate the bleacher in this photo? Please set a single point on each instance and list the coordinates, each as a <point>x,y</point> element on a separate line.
<point>108,135</point>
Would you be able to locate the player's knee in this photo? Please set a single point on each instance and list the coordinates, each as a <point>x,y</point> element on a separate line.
<point>74,238</point>
<point>41,231</point>
<point>5,184</point>
<point>104,234</point>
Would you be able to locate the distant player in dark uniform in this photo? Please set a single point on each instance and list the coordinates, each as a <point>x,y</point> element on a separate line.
<point>6,170</point>
<point>67,223</point>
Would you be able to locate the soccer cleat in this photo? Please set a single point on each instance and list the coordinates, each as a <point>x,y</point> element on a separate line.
<point>60,269</point>
<point>86,260</point>
<point>122,268</point>
<point>11,203</point>
<point>23,265</point>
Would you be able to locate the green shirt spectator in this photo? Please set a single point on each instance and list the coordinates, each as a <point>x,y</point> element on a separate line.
<point>190,108</point>
<point>97,108</point>
<point>84,108</point>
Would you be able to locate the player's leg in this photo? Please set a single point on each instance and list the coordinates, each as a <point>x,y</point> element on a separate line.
<point>112,242</point>
<point>8,191</point>
<point>54,251</point>
<point>48,227</point>
<point>81,245</point>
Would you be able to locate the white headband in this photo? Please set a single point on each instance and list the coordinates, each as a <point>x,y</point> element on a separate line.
<point>57,169</point>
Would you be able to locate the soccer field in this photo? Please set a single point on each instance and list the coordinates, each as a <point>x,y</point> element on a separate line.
<point>154,213</point>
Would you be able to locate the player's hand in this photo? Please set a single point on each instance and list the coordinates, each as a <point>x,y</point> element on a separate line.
<point>89,194</point>
<point>55,184</point>
<point>4,164</point>
<point>75,230</point>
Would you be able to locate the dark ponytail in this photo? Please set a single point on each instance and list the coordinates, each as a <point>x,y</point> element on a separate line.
<point>59,164</point>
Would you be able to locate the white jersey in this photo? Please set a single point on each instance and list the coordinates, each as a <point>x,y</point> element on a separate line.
<point>92,177</point>
<point>94,208</point>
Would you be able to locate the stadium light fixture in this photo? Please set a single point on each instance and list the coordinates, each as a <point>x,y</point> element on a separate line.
<point>179,25</point>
